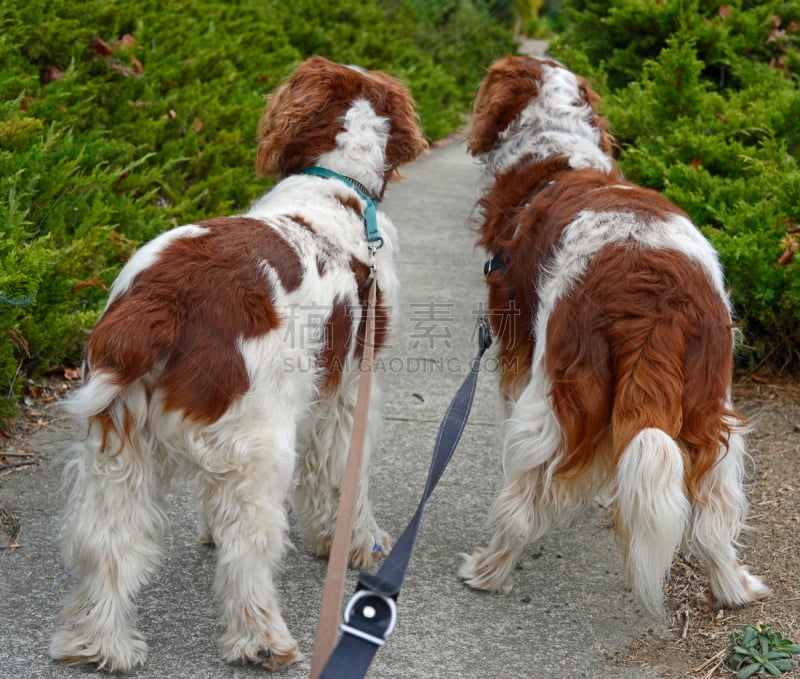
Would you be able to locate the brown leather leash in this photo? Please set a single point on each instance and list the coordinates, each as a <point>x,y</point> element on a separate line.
<point>333,592</point>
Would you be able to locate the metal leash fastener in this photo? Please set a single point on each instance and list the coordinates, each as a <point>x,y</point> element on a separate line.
<point>485,332</point>
<point>374,246</point>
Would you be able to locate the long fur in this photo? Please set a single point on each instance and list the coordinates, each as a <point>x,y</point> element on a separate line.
<point>616,344</point>
<point>228,350</point>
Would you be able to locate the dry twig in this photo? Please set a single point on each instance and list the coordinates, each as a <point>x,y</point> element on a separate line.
<point>24,463</point>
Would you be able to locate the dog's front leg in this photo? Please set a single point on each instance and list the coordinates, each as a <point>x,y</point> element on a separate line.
<point>325,442</point>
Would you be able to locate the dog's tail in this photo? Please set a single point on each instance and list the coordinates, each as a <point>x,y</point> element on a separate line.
<point>652,511</point>
<point>94,396</point>
<point>651,468</point>
<point>117,411</point>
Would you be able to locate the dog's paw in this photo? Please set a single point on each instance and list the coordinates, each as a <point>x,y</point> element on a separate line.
<point>756,589</point>
<point>274,660</point>
<point>364,550</point>
<point>273,653</point>
<point>480,573</point>
<point>119,653</point>
<point>735,589</point>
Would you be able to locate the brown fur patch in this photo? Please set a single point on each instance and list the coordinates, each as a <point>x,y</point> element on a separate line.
<point>361,272</point>
<point>529,231</point>
<point>351,203</point>
<point>337,341</point>
<point>269,244</point>
<point>188,311</point>
<point>655,350</point>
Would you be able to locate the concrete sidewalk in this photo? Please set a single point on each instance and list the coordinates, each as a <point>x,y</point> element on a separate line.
<point>568,610</point>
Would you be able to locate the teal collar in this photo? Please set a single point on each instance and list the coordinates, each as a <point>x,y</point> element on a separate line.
<point>370,214</point>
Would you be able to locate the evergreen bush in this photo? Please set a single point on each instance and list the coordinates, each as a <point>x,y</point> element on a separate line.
<point>704,103</point>
<point>120,119</point>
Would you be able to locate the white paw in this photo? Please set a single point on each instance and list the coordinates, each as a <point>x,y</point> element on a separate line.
<point>739,588</point>
<point>364,550</point>
<point>755,586</point>
<point>479,573</point>
<point>118,654</point>
<point>273,652</point>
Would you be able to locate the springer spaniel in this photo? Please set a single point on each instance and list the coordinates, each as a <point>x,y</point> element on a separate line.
<point>616,344</point>
<point>229,348</point>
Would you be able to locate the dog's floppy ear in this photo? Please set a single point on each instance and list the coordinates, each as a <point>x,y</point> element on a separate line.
<point>299,119</point>
<point>391,99</point>
<point>510,84</point>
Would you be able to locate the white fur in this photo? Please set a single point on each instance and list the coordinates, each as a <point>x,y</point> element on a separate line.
<point>359,147</point>
<point>245,461</point>
<point>550,125</point>
<point>653,511</point>
<point>715,525</point>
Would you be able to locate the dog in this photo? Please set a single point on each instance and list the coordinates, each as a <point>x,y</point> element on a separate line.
<point>229,349</point>
<point>616,345</point>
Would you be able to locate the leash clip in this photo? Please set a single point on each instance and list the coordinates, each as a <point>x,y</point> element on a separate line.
<point>484,334</point>
<point>373,247</point>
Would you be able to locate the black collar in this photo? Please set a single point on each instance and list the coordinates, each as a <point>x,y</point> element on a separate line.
<point>497,263</point>
<point>500,260</point>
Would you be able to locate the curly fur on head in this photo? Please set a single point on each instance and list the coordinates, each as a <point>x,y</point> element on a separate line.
<point>510,86</point>
<point>305,114</point>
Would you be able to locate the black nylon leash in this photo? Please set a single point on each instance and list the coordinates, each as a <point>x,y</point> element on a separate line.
<point>371,613</point>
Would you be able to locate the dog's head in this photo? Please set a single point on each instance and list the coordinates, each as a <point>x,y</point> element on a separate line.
<point>305,116</point>
<point>538,95</point>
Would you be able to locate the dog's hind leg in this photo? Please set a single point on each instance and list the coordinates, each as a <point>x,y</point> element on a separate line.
<point>325,446</point>
<point>247,474</point>
<point>204,496</point>
<point>716,520</point>
<point>518,516</point>
<point>110,534</point>
<point>532,500</point>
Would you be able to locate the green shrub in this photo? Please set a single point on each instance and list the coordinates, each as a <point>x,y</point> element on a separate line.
<point>120,119</point>
<point>704,103</point>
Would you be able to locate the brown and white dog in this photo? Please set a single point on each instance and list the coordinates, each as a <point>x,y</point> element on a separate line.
<point>616,344</point>
<point>228,348</point>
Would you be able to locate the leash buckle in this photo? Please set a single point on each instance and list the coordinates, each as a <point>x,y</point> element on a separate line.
<point>484,334</point>
<point>373,247</point>
<point>375,616</point>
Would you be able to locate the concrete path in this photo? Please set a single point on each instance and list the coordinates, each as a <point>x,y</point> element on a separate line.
<point>568,609</point>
